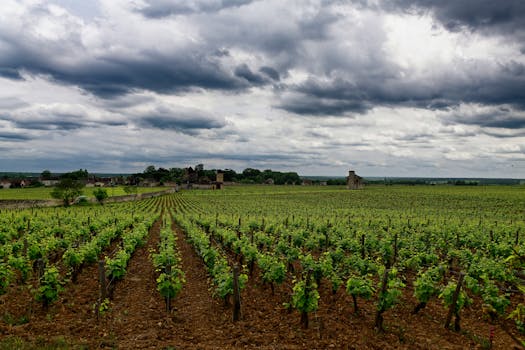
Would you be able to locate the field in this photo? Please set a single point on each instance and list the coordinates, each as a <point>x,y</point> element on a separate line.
<point>314,268</point>
<point>44,193</point>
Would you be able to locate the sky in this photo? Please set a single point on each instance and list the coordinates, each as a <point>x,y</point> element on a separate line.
<point>387,88</point>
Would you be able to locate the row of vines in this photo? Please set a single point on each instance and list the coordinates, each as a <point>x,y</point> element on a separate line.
<point>464,249</point>
<point>45,249</point>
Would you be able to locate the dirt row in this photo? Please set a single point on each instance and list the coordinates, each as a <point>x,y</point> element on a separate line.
<point>137,318</point>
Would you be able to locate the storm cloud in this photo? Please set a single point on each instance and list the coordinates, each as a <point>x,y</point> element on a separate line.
<point>501,16</point>
<point>408,87</point>
<point>181,119</point>
<point>491,85</point>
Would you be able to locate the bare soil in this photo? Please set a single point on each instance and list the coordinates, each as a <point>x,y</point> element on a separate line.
<point>137,316</point>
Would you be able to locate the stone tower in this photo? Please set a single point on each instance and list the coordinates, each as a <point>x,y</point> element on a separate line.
<point>353,181</point>
<point>220,177</point>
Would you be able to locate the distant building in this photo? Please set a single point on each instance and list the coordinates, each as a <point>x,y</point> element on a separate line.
<point>218,184</point>
<point>307,182</point>
<point>15,183</point>
<point>353,181</point>
<point>5,183</point>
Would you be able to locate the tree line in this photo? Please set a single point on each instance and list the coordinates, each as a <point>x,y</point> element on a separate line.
<point>248,175</point>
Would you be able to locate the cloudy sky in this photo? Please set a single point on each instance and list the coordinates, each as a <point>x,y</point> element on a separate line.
<point>388,88</point>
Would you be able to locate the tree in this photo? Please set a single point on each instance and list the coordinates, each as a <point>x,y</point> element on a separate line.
<point>150,171</point>
<point>45,175</point>
<point>76,175</point>
<point>100,194</point>
<point>67,189</point>
<point>251,173</point>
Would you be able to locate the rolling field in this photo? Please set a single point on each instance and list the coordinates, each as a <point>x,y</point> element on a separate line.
<point>413,267</point>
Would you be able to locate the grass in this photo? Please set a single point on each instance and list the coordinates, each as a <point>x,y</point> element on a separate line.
<point>43,193</point>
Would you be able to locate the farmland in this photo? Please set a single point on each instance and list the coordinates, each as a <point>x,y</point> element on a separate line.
<point>44,193</point>
<point>317,266</point>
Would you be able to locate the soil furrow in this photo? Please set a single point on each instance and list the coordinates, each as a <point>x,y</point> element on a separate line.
<point>136,318</point>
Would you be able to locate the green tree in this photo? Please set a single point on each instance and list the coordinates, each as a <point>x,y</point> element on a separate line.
<point>76,175</point>
<point>46,174</point>
<point>100,195</point>
<point>67,189</point>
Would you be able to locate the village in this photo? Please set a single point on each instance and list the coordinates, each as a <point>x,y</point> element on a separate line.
<point>186,178</point>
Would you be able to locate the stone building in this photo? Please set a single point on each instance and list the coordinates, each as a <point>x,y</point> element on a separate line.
<point>353,181</point>
<point>219,180</point>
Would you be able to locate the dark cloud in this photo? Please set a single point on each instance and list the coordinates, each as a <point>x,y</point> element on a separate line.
<point>153,72</point>
<point>13,136</point>
<point>415,137</point>
<point>270,72</point>
<point>503,133</point>
<point>243,71</point>
<point>165,8</point>
<point>184,120</point>
<point>55,117</point>
<point>487,15</point>
<point>501,117</point>
<point>111,76</point>
<point>10,73</point>
<point>503,85</point>
<point>308,105</point>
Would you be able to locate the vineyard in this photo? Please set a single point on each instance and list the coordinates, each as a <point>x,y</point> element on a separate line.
<point>270,267</point>
<point>44,193</point>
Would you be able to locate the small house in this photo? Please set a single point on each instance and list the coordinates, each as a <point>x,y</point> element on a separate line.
<point>5,183</point>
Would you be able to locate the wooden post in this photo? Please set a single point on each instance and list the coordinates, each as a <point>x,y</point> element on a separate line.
<point>25,246</point>
<point>395,248</point>
<point>307,289</point>
<point>452,309</point>
<point>168,299</point>
<point>362,246</point>
<point>40,267</point>
<point>382,292</point>
<point>236,294</point>
<point>102,280</point>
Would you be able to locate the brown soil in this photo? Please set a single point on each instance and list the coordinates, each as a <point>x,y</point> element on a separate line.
<point>137,317</point>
